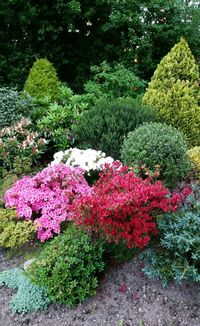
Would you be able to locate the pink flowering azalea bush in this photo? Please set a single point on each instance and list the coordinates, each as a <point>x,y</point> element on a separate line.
<point>47,197</point>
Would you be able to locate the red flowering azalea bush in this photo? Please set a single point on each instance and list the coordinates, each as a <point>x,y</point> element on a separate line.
<point>123,206</point>
<point>47,197</point>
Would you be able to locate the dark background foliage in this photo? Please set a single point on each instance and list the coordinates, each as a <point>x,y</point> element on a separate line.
<point>75,34</point>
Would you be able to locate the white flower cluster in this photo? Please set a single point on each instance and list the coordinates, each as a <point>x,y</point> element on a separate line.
<point>87,159</point>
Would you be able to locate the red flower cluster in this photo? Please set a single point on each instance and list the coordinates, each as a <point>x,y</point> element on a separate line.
<point>122,206</point>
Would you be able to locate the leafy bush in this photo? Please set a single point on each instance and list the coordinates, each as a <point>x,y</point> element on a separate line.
<point>13,232</point>
<point>8,106</point>
<point>174,91</point>
<point>68,267</point>
<point>47,197</point>
<point>104,126</point>
<point>178,256</point>
<point>122,206</point>
<point>158,144</point>
<point>42,80</point>
<point>29,297</point>
<point>194,157</point>
<point>19,144</point>
<point>5,184</point>
<point>88,159</point>
<point>112,82</point>
<point>55,124</point>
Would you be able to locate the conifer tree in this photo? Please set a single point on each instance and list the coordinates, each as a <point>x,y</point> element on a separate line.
<point>42,80</point>
<point>174,91</point>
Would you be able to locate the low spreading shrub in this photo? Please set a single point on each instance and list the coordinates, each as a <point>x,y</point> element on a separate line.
<point>47,197</point>
<point>18,144</point>
<point>104,126</point>
<point>155,144</point>
<point>14,232</point>
<point>68,267</point>
<point>29,297</point>
<point>123,206</point>
<point>178,256</point>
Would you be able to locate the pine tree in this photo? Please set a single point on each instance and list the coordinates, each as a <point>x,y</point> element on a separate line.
<point>42,80</point>
<point>174,91</point>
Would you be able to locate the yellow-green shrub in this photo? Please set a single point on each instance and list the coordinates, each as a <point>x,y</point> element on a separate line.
<point>14,232</point>
<point>194,156</point>
<point>175,93</point>
<point>42,80</point>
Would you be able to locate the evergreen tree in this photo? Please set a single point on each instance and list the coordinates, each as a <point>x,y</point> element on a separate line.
<point>42,80</point>
<point>174,91</point>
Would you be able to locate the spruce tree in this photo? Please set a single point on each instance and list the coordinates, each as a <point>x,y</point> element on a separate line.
<point>174,91</point>
<point>42,80</point>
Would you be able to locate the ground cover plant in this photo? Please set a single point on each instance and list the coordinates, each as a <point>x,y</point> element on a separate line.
<point>177,256</point>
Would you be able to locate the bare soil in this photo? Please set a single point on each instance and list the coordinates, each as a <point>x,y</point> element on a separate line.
<point>125,297</point>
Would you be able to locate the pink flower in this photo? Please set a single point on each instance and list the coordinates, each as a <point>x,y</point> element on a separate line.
<point>47,197</point>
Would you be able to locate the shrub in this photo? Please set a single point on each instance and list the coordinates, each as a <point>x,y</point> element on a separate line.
<point>13,232</point>
<point>9,110</point>
<point>112,82</point>
<point>68,267</point>
<point>104,126</point>
<point>20,143</point>
<point>174,91</point>
<point>42,80</point>
<point>5,184</point>
<point>88,159</point>
<point>178,256</point>
<point>47,197</point>
<point>122,206</point>
<point>194,157</point>
<point>158,144</point>
<point>29,297</point>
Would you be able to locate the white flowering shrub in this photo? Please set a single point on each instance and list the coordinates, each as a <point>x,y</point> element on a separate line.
<point>88,159</point>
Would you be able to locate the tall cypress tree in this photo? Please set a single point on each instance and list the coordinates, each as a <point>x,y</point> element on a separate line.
<point>174,91</point>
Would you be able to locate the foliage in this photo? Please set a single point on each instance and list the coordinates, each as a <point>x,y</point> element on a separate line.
<point>179,253</point>
<point>5,184</point>
<point>8,106</point>
<point>155,144</point>
<point>42,80</point>
<point>13,232</point>
<point>122,206</point>
<point>104,126</point>
<point>194,156</point>
<point>174,91</point>
<point>47,197</point>
<point>112,82</point>
<point>29,297</point>
<point>68,267</point>
<point>88,159</point>
<point>75,34</point>
<point>19,145</point>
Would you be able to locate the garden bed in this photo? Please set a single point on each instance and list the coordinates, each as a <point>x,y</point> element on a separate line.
<point>125,297</point>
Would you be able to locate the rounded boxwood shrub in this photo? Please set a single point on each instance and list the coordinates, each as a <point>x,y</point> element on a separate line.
<point>68,266</point>
<point>104,126</point>
<point>155,144</point>
<point>42,80</point>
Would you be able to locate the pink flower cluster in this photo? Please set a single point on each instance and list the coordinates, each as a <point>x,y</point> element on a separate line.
<point>47,197</point>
